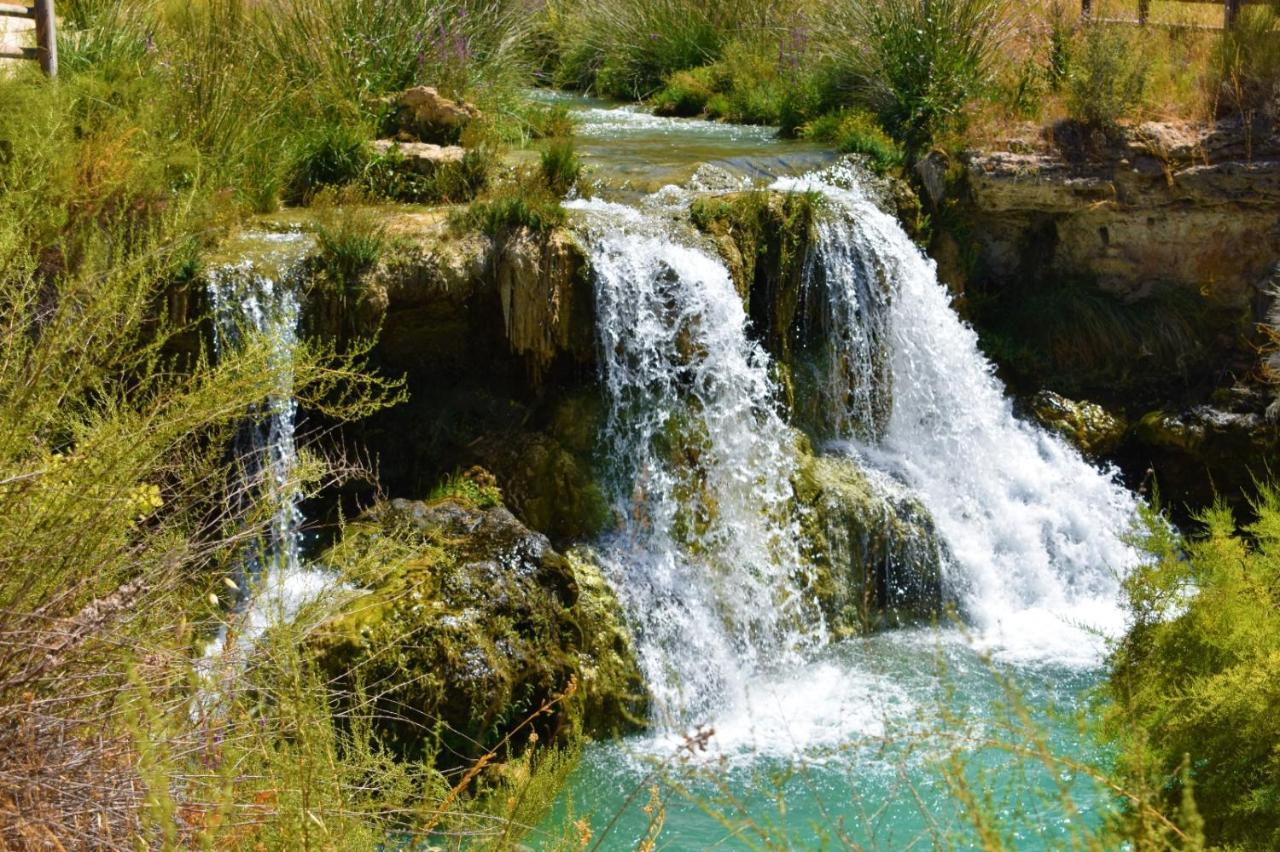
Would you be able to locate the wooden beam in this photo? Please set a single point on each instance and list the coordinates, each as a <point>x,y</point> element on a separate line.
<point>17,53</point>
<point>46,38</point>
<point>13,10</point>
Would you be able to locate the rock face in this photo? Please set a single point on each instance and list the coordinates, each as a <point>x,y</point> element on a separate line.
<point>469,624</point>
<point>1133,271</point>
<point>493,336</point>
<point>424,114</point>
<point>878,556</point>
<point>1195,208</point>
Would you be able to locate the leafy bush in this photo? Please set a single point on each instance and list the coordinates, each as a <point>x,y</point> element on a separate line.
<point>1107,78</point>
<point>914,63</point>
<point>686,93</point>
<point>1196,681</point>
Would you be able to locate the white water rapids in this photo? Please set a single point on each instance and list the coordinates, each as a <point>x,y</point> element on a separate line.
<point>706,561</point>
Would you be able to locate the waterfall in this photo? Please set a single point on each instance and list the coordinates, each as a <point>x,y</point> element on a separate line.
<point>1038,536</point>
<point>258,297</point>
<point>706,556</point>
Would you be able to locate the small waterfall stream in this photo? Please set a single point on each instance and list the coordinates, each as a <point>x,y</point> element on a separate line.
<point>1038,536</point>
<point>706,559</point>
<point>258,297</point>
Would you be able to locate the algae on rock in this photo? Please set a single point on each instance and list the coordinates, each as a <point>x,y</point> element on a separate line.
<point>469,624</point>
<point>879,559</point>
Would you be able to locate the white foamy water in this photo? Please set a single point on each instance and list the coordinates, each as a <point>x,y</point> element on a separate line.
<point>705,559</point>
<point>1038,536</point>
<point>258,297</point>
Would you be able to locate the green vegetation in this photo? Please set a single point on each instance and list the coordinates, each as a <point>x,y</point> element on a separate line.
<point>857,132</point>
<point>1195,684</point>
<point>915,65</point>
<point>1107,77</point>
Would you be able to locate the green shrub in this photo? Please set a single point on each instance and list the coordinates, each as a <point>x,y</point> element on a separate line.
<point>560,166</point>
<point>327,155</point>
<point>914,64</point>
<point>1107,78</point>
<point>1195,684</point>
<point>856,132</point>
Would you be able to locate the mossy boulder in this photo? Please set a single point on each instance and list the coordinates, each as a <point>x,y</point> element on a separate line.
<point>1205,453</point>
<point>878,558</point>
<point>469,624</point>
<point>1091,428</point>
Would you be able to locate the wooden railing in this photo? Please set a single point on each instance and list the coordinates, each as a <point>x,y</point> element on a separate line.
<point>1231,9</point>
<point>46,49</point>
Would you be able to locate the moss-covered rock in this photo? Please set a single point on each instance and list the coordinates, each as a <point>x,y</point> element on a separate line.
<point>1090,427</point>
<point>878,557</point>
<point>1207,452</point>
<point>470,624</point>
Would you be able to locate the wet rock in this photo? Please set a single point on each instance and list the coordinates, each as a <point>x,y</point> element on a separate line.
<point>878,557</point>
<point>1090,427</point>
<point>468,624</point>
<point>1207,451</point>
<point>549,487</point>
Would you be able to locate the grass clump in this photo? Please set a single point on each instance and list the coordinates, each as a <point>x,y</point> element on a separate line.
<point>915,65</point>
<point>560,166</point>
<point>857,132</point>
<point>1195,682</point>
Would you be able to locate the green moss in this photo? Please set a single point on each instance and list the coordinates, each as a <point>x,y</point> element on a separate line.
<point>470,628</point>
<point>877,558</point>
<point>857,132</point>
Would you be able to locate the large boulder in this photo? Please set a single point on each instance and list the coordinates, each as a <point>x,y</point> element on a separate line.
<point>879,559</point>
<point>468,625</point>
<point>422,113</point>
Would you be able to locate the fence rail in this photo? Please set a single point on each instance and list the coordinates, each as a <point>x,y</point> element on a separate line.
<point>46,50</point>
<point>1231,9</point>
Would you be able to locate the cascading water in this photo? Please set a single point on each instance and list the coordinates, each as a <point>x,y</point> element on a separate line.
<point>1038,536</point>
<point>259,298</point>
<point>706,558</point>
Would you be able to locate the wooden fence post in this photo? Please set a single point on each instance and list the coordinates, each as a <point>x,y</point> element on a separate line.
<point>1144,12</point>
<point>1086,9</point>
<point>46,38</point>
<point>1233,9</point>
